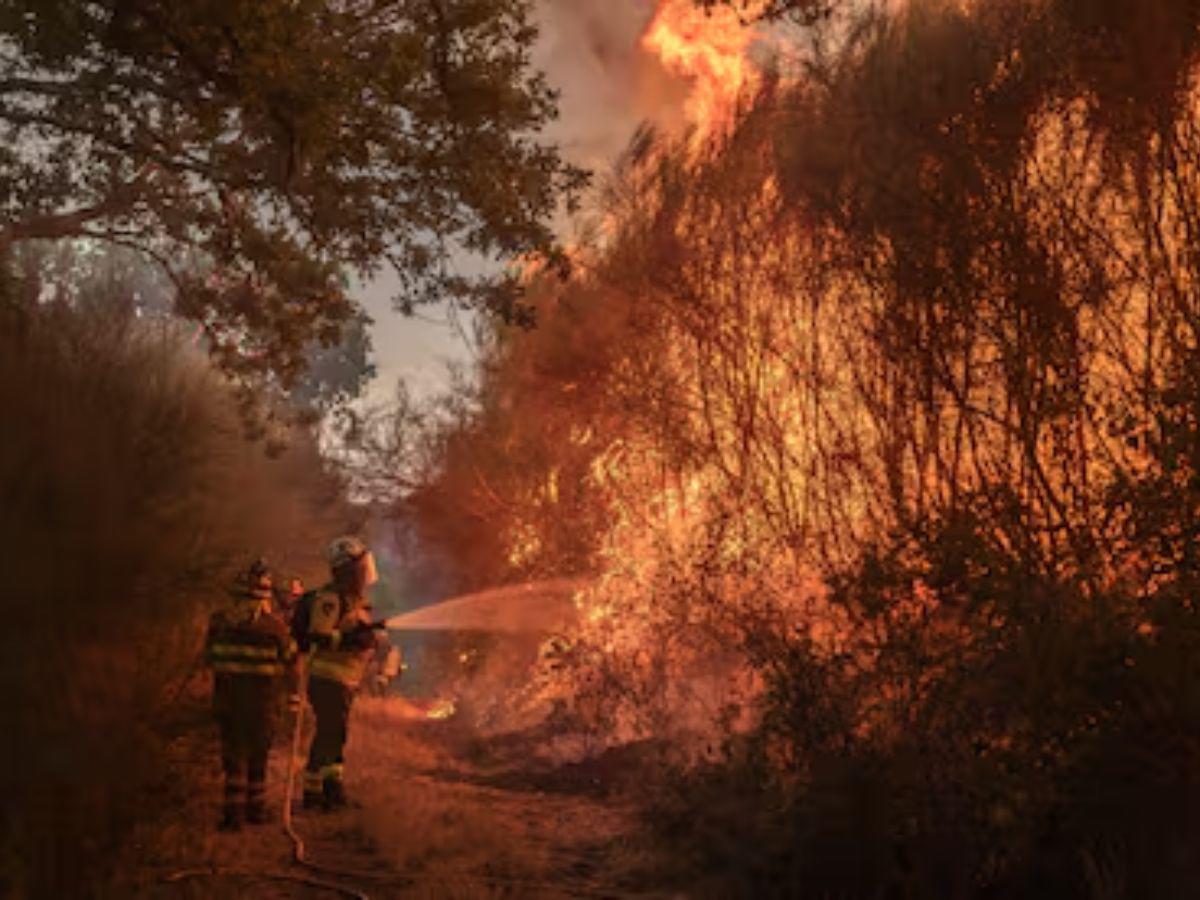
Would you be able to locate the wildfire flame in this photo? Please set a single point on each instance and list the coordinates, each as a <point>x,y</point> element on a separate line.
<point>443,709</point>
<point>709,50</point>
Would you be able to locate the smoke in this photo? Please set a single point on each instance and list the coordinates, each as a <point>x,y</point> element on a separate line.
<point>591,52</point>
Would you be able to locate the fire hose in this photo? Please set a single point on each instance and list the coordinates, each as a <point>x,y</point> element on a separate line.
<point>298,848</point>
<point>300,858</point>
<point>299,855</point>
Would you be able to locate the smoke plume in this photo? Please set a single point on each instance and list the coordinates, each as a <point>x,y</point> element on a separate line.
<point>591,51</point>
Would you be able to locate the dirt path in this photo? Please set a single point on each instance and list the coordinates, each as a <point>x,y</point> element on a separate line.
<point>438,813</point>
<point>482,818</point>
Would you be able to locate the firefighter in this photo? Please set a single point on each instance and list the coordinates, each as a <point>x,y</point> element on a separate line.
<point>251,653</point>
<point>334,625</point>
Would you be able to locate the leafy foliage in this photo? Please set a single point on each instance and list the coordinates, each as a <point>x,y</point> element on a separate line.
<point>127,497</point>
<point>258,151</point>
<point>336,374</point>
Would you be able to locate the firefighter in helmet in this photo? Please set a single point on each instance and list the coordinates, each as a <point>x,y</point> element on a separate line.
<point>251,654</point>
<point>334,625</point>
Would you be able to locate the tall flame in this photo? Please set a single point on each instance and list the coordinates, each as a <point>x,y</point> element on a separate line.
<point>709,50</point>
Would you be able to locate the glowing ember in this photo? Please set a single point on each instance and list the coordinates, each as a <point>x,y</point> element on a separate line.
<point>709,50</point>
<point>443,709</point>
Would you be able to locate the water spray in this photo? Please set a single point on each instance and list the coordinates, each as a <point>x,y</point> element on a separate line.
<point>531,607</point>
<point>534,607</point>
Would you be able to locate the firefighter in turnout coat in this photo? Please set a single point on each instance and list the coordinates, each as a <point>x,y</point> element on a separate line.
<point>251,653</point>
<point>334,627</point>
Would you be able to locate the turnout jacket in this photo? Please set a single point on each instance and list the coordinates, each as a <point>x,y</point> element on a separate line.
<point>248,645</point>
<point>341,653</point>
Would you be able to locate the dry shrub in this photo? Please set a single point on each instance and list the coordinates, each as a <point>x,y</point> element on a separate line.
<point>129,493</point>
<point>1028,742</point>
<point>925,325</point>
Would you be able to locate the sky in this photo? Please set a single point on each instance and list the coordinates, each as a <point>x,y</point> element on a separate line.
<point>589,50</point>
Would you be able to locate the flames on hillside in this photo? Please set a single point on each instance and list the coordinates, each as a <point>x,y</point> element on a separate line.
<point>747,386</point>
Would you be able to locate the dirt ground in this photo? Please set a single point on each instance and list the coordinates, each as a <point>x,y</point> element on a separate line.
<point>437,812</point>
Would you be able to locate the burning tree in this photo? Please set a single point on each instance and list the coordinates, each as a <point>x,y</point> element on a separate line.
<point>890,412</point>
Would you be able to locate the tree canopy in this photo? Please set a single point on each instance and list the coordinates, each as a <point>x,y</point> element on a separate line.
<point>264,151</point>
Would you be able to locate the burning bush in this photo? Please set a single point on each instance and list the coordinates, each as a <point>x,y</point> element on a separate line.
<point>891,423</point>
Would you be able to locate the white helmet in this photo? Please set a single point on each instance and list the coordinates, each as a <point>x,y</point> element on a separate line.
<point>350,551</point>
<point>345,549</point>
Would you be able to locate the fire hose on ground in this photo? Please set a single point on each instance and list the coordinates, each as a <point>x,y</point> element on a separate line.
<point>298,848</point>
<point>300,858</point>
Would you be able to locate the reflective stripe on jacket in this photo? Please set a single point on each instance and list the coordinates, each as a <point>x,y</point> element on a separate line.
<point>343,666</point>
<point>248,643</point>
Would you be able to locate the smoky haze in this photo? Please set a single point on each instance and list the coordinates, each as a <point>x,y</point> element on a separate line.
<point>590,50</point>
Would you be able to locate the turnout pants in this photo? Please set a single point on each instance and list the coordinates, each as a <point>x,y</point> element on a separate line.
<point>244,709</point>
<point>330,701</point>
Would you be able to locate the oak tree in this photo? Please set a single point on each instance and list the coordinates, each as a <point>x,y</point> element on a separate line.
<point>263,152</point>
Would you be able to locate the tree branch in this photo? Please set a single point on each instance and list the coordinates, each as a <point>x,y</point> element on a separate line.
<point>54,226</point>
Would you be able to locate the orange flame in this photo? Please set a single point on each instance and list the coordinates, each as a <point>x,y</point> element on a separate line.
<point>442,709</point>
<point>709,50</point>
